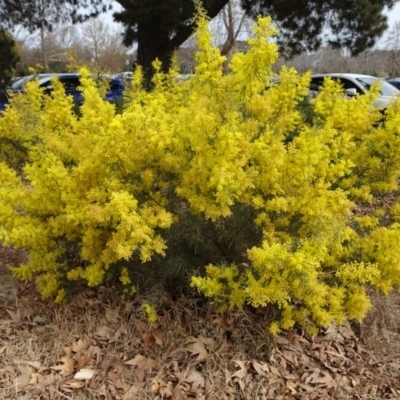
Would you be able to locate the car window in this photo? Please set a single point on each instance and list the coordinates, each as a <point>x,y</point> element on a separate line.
<point>316,83</point>
<point>348,84</point>
<point>115,85</point>
<point>20,83</point>
<point>395,84</point>
<point>70,83</point>
<point>386,88</point>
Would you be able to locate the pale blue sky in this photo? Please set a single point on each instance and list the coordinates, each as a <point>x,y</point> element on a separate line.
<point>394,15</point>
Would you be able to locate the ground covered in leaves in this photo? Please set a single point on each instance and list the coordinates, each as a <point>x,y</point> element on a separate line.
<point>101,347</point>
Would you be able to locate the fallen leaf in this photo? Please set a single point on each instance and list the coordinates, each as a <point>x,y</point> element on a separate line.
<point>66,367</point>
<point>159,337</point>
<point>49,379</point>
<point>38,319</point>
<point>117,380</point>
<point>290,357</point>
<point>97,353</point>
<point>105,332</point>
<point>132,393</point>
<point>261,368</point>
<point>15,316</point>
<point>73,385</point>
<point>220,321</point>
<point>142,362</point>
<point>326,378</point>
<point>121,330</point>
<point>83,360</point>
<point>178,393</point>
<point>210,342</point>
<point>84,374</point>
<point>346,332</point>
<point>155,386</point>
<point>197,347</point>
<point>147,339</point>
<point>242,372</point>
<point>314,374</point>
<point>197,381</point>
<point>34,364</point>
<point>35,378</point>
<point>166,391</point>
<point>281,340</point>
<point>82,344</point>
<point>23,380</point>
<point>274,370</point>
<point>307,388</point>
<point>97,382</point>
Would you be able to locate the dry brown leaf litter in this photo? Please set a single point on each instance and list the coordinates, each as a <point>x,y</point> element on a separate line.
<point>100,347</point>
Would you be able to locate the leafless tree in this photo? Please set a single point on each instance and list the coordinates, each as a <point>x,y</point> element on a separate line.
<point>393,47</point>
<point>94,44</point>
<point>231,25</point>
<point>104,45</point>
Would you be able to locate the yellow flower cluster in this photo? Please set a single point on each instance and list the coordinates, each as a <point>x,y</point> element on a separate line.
<point>151,312</point>
<point>91,196</point>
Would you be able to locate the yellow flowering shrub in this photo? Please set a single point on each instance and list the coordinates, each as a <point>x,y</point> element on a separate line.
<point>220,174</point>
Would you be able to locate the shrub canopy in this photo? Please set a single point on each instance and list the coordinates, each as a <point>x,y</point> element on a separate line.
<point>226,174</point>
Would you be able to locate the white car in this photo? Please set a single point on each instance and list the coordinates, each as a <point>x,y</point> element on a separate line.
<point>354,84</point>
<point>124,76</point>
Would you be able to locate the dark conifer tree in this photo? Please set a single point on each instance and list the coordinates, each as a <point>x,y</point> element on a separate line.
<point>8,60</point>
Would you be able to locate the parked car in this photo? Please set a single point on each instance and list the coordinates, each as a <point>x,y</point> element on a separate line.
<point>395,82</point>
<point>354,84</point>
<point>71,83</point>
<point>18,84</point>
<point>124,76</point>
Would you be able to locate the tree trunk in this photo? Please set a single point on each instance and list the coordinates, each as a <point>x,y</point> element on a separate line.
<point>156,39</point>
<point>150,48</point>
<point>44,50</point>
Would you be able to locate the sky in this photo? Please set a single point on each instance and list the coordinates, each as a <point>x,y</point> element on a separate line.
<point>394,14</point>
<point>393,17</point>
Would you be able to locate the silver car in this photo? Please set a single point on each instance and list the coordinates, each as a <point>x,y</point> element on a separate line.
<point>354,84</point>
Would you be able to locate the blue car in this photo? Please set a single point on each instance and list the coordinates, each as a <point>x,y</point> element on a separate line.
<point>71,83</point>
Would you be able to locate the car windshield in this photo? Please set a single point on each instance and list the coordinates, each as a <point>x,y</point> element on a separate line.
<point>20,83</point>
<point>386,88</point>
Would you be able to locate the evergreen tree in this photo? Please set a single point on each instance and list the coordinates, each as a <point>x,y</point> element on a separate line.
<point>8,60</point>
<point>34,14</point>
<point>351,24</point>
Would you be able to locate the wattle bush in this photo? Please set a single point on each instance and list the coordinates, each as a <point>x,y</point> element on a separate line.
<point>224,175</point>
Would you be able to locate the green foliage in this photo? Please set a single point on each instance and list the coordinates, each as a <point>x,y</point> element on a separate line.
<point>34,14</point>
<point>253,192</point>
<point>8,60</point>
<point>353,24</point>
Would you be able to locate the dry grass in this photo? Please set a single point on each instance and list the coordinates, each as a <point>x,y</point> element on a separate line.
<point>190,352</point>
